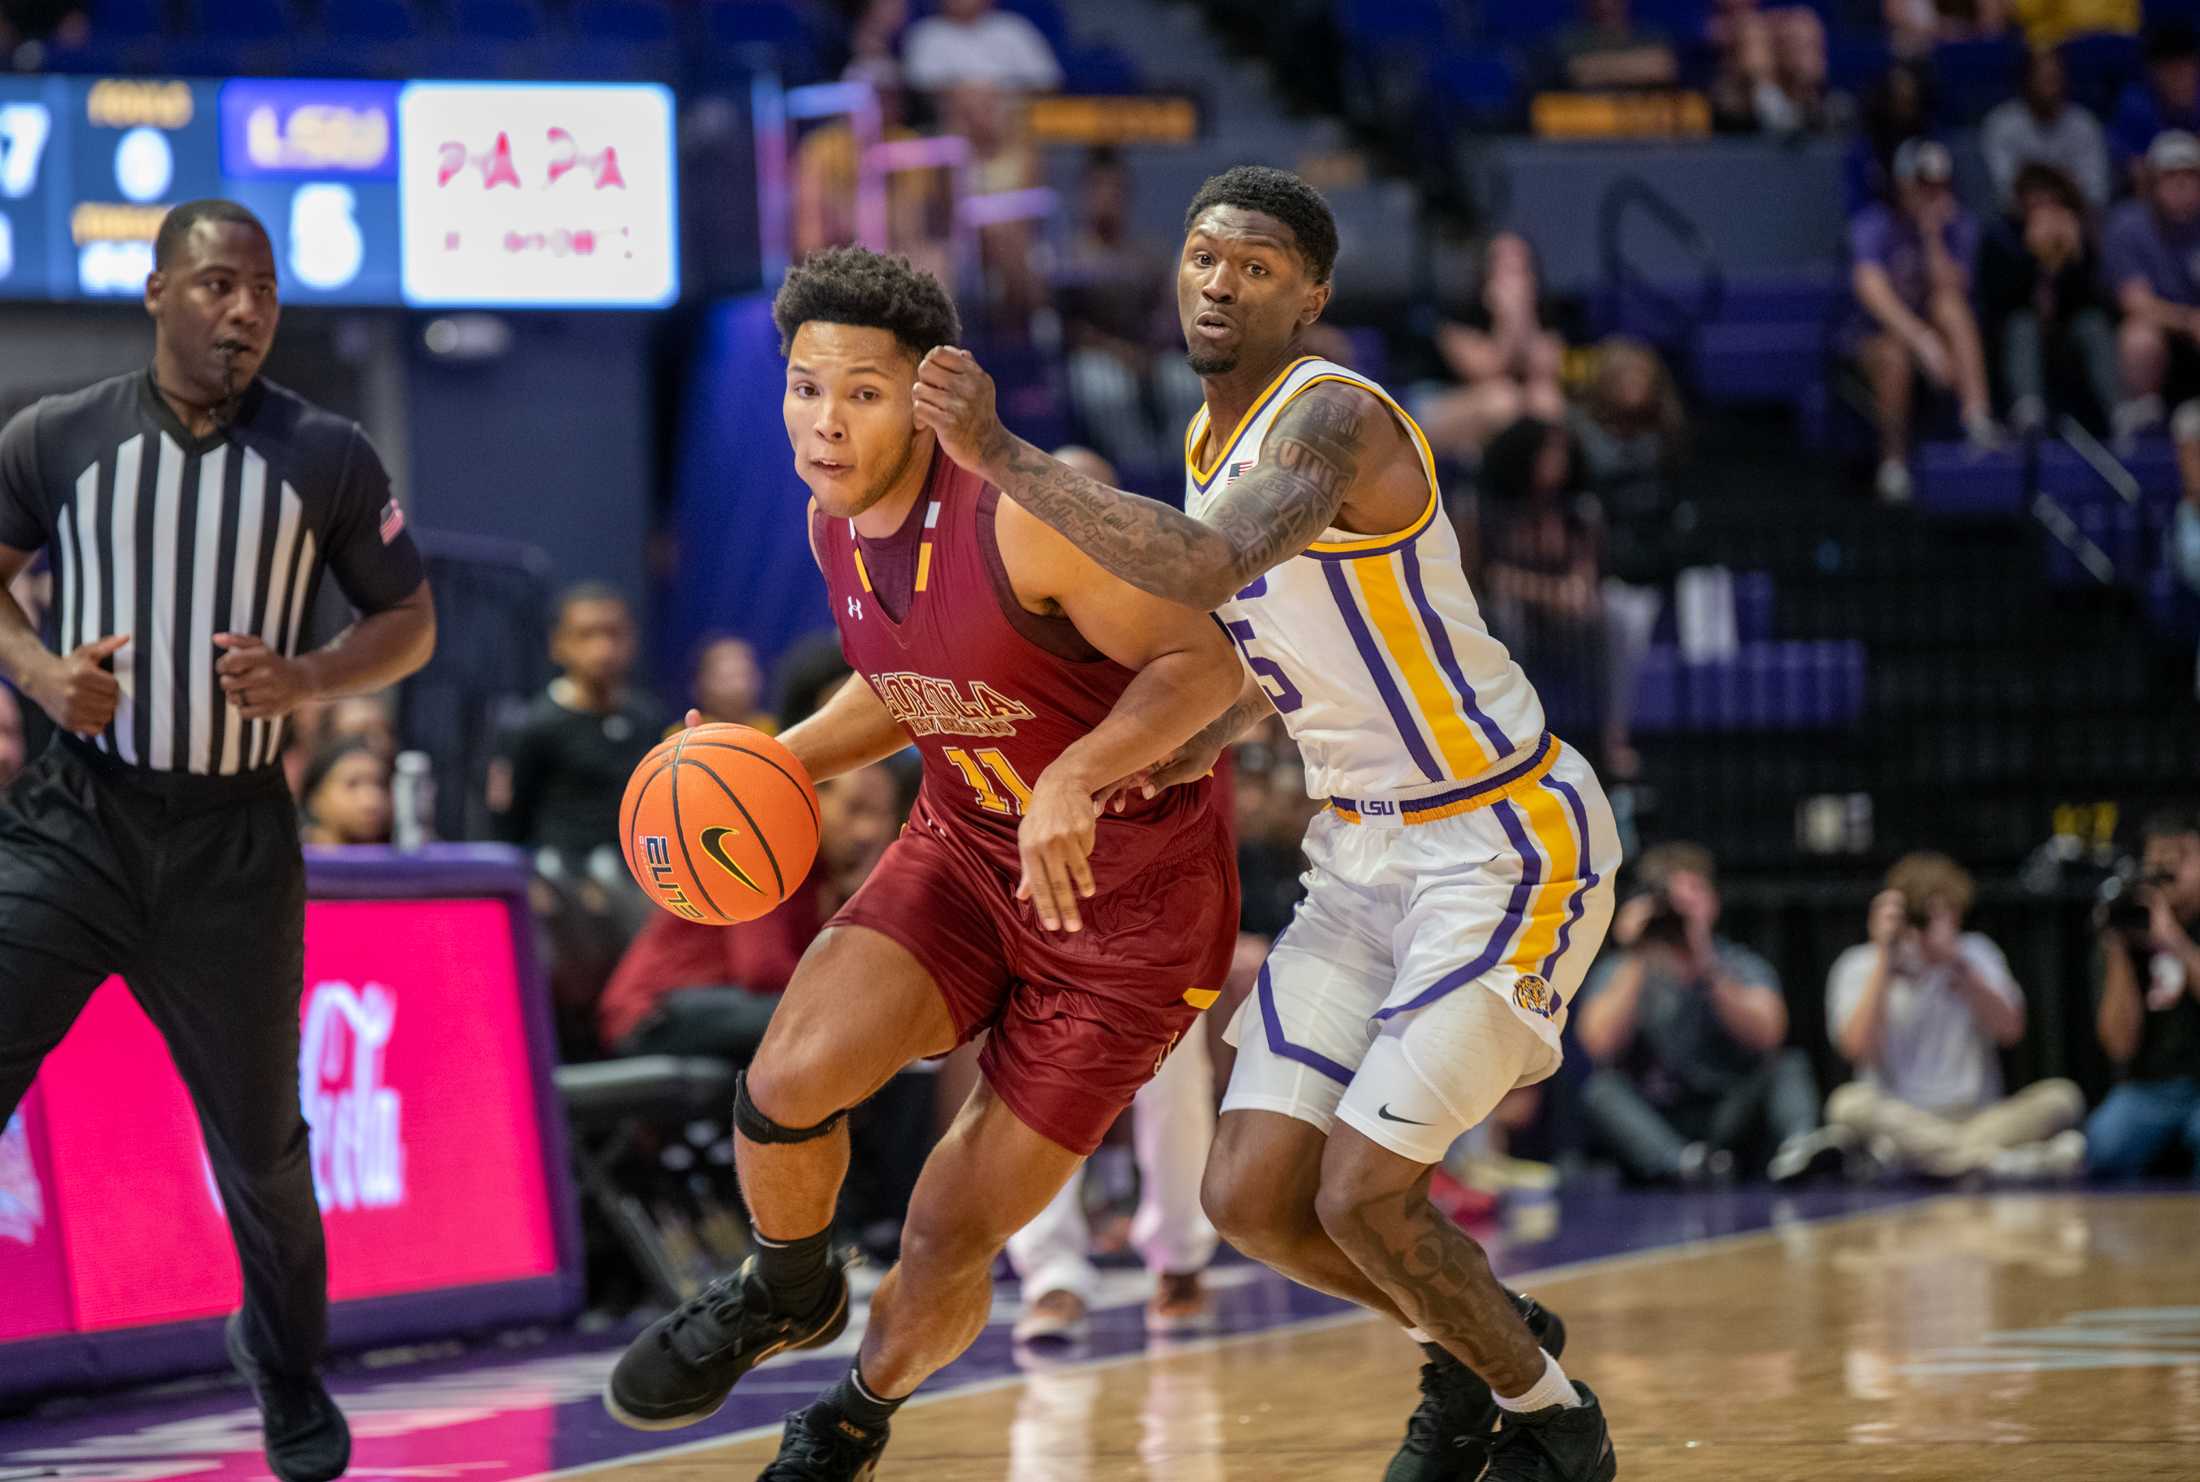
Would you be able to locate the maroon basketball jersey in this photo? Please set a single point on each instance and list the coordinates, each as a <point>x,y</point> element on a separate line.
<point>990,693</point>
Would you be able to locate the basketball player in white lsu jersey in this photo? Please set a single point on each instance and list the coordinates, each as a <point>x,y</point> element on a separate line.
<point>1461,877</point>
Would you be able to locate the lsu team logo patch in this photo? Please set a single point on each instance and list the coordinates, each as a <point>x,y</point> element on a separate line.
<point>1533,993</point>
<point>393,521</point>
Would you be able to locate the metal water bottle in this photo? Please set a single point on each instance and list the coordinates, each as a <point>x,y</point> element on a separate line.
<point>412,800</point>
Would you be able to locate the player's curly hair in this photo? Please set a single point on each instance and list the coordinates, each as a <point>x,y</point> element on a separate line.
<point>1280,194</point>
<point>854,285</point>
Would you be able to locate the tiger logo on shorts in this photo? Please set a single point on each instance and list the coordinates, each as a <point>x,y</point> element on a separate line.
<point>1533,993</point>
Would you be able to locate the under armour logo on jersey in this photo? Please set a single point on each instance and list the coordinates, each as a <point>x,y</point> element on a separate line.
<point>855,609</point>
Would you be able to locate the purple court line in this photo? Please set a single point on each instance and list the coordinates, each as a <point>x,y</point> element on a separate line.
<point>501,1414</point>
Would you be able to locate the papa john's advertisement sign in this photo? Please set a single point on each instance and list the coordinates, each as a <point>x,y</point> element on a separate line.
<point>537,194</point>
<point>416,1082</point>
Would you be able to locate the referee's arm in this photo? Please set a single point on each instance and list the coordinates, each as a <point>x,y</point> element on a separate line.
<point>75,689</point>
<point>379,570</point>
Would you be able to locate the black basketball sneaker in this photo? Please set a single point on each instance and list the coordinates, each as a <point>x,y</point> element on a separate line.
<point>1448,1438</point>
<point>684,1364</point>
<point>1560,1444</point>
<point>822,1445</point>
<point>305,1434</point>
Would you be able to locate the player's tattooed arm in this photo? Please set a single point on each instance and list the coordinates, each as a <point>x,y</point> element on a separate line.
<point>1196,758</point>
<point>1312,457</point>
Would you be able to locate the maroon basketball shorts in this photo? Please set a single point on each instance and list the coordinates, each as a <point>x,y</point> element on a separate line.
<point>1079,1020</point>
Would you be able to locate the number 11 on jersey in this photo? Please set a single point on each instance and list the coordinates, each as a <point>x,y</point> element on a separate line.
<point>990,760</point>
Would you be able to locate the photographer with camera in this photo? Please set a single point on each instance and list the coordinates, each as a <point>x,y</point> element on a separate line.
<point>1923,1010</point>
<point>2149,1012</point>
<point>1685,1029</point>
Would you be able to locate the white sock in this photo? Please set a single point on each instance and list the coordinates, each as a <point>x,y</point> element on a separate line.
<point>1554,1388</point>
<point>1419,1336</point>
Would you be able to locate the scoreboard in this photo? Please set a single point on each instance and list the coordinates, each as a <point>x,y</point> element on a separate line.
<point>425,193</point>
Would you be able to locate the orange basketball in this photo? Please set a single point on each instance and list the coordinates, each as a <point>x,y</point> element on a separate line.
<point>719,824</point>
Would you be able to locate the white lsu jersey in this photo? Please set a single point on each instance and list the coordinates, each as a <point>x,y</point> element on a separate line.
<point>1372,648</point>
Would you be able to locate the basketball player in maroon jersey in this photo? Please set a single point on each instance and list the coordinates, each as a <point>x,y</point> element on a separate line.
<point>1031,682</point>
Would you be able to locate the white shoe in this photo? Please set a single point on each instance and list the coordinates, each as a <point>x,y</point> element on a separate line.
<point>2058,1160</point>
<point>1893,483</point>
<point>1053,1317</point>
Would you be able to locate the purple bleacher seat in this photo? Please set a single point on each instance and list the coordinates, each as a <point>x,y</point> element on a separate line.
<point>496,20</point>
<point>242,20</point>
<point>751,26</point>
<point>1765,686</point>
<point>1970,77</point>
<point>1098,68</point>
<point>1758,362</point>
<point>1953,479</point>
<point>2097,66</point>
<point>369,20</point>
<point>1480,82</point>
<point>112,19</point>
<point>2172,606</point>
<point>1394,24</point>
<point>631,22</point>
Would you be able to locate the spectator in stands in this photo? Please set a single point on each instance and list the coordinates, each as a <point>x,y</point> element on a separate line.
<point>1505,356</point>
<point>808,673</point>
<point>1539,540</point>
<point>1915,27</point>
<point>2184,539</point>
<point>2151,255</point>
<point>346,795</point>
<point>32,23</point>
<point>1632,432</point>
<point>2041,291</point>
<point>13,752</point>
<point>1769,72</point>
<point>559,774</point>
<point>1922,1011</point>
<point>1268,786</point>
<point>1685,1029</point>
<point>1910,266</point>
<point>1899,108</point>
<point>1120,322</point>
<point>369,718</point>
<point>2041,126</point>
<point>2149,1012</point>
<point>822,181</point>
<point>728,684</point>
<point>2166,99</point>
<point>1606,50</point>
<point>686,988</point>
<point>991,118</point>
<point>969,41</point>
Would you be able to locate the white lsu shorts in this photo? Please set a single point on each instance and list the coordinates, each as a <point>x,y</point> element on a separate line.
<point>1431,966</point>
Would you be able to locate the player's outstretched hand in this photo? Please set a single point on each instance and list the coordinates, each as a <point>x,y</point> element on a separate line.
<point>77,690</point>
<point>1188,763</point>
<point>954,398</point>
<point>1055,840</point>
<point>261,683</point>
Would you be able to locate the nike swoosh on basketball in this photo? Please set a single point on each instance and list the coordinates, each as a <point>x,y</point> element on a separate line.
<point>714,845</point>
<point>1384,1112</point>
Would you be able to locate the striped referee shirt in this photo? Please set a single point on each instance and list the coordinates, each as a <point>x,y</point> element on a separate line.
<point>171,538</point>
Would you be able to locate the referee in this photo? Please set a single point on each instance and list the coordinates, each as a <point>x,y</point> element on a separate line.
<point>191,510</point>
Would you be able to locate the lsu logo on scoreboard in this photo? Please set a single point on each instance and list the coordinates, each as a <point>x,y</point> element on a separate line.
<point>1533,993</point>
<point>657,855</point>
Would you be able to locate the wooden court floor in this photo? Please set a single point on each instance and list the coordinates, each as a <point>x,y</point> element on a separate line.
<point>1957,1340</point>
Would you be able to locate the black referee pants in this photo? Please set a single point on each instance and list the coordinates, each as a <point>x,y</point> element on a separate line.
<point>193,889</point>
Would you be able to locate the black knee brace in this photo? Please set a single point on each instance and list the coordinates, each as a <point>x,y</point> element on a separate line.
<point>757,1127</point>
